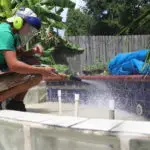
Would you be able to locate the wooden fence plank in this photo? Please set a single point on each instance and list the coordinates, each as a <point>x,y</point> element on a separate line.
<point>104,48</point>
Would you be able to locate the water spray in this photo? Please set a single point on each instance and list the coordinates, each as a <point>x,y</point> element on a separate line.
<point>70,77</point>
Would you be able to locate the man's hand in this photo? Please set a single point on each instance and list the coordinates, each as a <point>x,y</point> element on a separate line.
<point>50,75</point>
<point>38,49</point>
<point>47,71</point>
<point>57,77</point>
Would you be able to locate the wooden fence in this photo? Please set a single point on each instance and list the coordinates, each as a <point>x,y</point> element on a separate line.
<point>104,48</point>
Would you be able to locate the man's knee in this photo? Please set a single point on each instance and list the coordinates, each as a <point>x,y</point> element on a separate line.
<point>31,81</point>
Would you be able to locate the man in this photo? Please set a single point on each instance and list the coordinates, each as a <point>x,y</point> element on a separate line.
<point>22,74</point>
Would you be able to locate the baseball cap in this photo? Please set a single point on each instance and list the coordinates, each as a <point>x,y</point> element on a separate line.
<point>23,13</point>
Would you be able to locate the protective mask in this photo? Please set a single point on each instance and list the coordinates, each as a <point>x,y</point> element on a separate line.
<point>28,36</point>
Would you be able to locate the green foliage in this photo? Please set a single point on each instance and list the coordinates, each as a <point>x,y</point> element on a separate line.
<point>119,16</point>
<point>61,68</point>
<point>68,48</point>
<point>78,23</point>
<point>96,68</point>
<point>5,8</point>
<point>146,66</point>
<point>60,47</point>
<point>98,65</point>
<point>48,37</point>
<point>60,3</point>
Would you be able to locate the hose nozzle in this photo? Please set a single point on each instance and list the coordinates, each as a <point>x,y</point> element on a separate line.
<point>74,78</point>
<point>71,77</point>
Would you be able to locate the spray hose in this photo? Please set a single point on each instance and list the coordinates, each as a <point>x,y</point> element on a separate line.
<point>74,78</point>
<point>71,77</point>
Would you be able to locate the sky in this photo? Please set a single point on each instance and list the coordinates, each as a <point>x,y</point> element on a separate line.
<point>79,4</point>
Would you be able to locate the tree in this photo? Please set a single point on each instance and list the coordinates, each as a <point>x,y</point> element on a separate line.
<point>112,16</point>
<point>78,23</point>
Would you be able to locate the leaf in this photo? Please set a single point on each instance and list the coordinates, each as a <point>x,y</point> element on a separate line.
<point>43,10</point>
<point>49,51</point>
<point>2,14</point>
<point>56,24</point>
<point>60,3</point>
<point>60,68</point>
<point>6,7</point>
<point>30,2</point>
<point>55,16</point>
<point>60,10</point>
<point>46,60</point>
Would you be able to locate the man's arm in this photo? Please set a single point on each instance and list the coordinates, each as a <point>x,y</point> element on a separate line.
<point>17,66</point>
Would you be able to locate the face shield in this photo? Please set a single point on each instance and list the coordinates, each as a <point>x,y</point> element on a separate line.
<point>28,35</point>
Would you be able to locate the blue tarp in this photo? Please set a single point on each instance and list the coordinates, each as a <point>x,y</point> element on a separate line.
<point>129,63</point>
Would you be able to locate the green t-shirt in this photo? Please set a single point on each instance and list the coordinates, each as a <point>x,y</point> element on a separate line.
<point>8,41</point>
